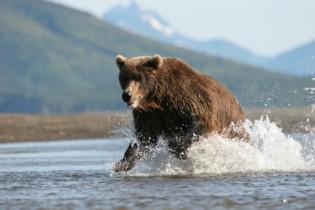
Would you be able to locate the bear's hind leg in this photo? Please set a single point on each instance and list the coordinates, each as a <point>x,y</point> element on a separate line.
<point>179,145</point>
<point>178,149</point>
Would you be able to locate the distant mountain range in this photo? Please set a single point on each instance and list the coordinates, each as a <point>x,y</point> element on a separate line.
<point>298,61</point>
<point>59,60</point>
<point>134,18</point>
<point>148,23</point>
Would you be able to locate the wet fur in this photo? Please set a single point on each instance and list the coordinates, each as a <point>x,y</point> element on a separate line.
<point>180,105</point>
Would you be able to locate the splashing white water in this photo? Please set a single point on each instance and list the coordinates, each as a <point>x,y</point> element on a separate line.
<point>270,150</point>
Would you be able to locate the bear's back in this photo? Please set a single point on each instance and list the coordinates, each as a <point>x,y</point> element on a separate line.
<point>187,92</point>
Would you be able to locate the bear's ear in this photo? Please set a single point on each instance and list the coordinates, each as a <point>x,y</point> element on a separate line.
<point>120,60</point>
<point>155,62</point>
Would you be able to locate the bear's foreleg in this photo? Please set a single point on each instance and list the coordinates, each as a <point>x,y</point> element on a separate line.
<point>147,132</point>
<point>135,152</point>
<point>129,159</point>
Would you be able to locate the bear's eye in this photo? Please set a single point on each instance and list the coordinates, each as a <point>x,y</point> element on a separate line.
<point>130,77</point>
<point>137,77</point>
<point>123,78</point>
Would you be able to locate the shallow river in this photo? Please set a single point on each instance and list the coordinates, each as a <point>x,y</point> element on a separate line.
<point>229,175</point>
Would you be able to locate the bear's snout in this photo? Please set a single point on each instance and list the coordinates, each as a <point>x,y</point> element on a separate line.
<point>126,97</point>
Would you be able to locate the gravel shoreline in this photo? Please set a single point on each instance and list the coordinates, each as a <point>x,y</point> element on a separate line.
<point>25,127</point>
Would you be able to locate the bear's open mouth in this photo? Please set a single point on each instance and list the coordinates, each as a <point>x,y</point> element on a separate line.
<point>127,98</point>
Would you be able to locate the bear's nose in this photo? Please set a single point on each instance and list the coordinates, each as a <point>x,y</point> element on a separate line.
<point>126,97</point>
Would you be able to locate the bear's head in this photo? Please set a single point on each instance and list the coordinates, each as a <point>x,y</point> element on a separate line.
<point>136,77</point>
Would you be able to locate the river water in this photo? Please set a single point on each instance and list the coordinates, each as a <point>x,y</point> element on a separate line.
<point>276,171</point>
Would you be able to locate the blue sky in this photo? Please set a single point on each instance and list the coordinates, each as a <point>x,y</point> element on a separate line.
<point>267,27</point>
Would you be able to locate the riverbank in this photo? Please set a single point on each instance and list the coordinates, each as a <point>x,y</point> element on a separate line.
<point>20,128</point>
<point>23,128</point>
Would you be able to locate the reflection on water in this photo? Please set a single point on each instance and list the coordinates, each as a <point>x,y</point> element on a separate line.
<point>78,175</point>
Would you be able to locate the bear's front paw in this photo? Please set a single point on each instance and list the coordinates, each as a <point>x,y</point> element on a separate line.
<point>123,166</point>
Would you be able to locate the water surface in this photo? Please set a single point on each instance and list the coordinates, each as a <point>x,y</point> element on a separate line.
<point>78,175</point>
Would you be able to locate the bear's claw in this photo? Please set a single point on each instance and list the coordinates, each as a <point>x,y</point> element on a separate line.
<point>123,166</point>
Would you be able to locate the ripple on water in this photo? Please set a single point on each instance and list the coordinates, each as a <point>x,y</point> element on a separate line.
<point>276,171</point>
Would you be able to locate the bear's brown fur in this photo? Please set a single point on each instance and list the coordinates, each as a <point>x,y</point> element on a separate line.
<point>172,100</point>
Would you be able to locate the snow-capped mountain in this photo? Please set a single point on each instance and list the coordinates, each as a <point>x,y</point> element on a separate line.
<point>134,18</point>
<point>139,20</point>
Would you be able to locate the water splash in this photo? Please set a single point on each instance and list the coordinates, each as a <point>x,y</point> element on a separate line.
<point>270,150</point>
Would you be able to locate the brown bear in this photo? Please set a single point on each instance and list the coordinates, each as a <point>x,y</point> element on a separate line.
<point>172,100</point>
